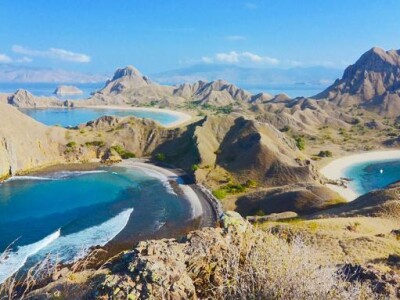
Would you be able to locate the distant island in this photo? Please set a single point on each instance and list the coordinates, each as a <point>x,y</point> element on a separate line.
<point>65,90</point>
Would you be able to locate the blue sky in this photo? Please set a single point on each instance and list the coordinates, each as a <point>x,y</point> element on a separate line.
<point>99,36</point>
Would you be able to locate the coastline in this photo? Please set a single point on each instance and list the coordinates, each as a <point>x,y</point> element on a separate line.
<point>200,206</point>
<point>335,169</point>
<point>183,118</point>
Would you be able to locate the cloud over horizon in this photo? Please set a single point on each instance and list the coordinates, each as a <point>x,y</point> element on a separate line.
<point>53,53</point>
<point>234,57</point>
<point>4,59</point>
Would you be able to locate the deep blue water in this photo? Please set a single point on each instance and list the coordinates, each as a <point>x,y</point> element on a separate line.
<point>65,213</point>
<point>74,116</point>
<point>47,89</point>
<point>367,176</point>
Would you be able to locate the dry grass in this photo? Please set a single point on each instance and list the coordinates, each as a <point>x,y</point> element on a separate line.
<point>267,267</point>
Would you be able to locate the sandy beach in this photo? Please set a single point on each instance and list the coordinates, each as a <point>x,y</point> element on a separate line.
<point>182,117</point>
<point>335,169</point>
<point>167,175</point>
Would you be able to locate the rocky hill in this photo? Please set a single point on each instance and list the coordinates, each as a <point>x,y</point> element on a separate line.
<point>256,263</point>
<point>65,90</point>
<point>372,82</point>
<point>26,144</point>
<point>24,99</point>
<point>217,93</point>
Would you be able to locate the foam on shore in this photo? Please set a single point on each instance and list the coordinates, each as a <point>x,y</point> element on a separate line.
<point>165,176</point>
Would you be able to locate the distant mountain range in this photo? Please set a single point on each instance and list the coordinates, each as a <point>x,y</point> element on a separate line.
<point>250,77</point>
<point>246,77</point>
<point>22,74</point>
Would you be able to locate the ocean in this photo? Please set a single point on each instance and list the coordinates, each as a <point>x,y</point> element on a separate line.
<point>65,213</point>
<point>71,117</point>
<point>372,175</point>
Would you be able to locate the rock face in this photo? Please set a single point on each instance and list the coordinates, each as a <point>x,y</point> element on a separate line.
<point>24,99</point>
<point>65,90</point>
<point>26,144</point>
<point>255,263</point>
<point>217,93</point>
<point>125,79</point>
<point>372,82</point>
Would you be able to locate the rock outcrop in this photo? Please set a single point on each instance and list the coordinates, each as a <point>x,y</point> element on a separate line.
<point>217,93</point>
<point>24,99</point>
<point>235,261</point>
<point>26,144</point>
<point>65,90</point>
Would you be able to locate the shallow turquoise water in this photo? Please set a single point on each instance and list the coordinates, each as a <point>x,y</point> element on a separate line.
<point>367,176</point>
<point>65,213</point>
<point>74,116</point>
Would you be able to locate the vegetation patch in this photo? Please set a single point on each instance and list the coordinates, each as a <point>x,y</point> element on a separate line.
<point>122,152</point>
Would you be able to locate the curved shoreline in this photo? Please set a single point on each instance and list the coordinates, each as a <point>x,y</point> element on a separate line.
<point>182,117</point>
<point>335,169</point>
<point>201,206</point>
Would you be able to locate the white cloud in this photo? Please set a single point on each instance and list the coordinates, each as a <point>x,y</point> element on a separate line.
<point>254,57</point>
<point>4,59</point>
<point>235,38</point>
<point>53,53</point>
<point>230,58</point>
<point>207,60</point>
<point>234,57</point>
<point>24,59</point>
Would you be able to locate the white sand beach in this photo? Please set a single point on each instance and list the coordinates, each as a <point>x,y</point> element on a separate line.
<point>182,117</point>
<point>335,169</point>
<point>166,175</point>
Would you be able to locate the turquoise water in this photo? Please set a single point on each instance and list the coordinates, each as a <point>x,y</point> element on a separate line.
<point>70,117</point>
<point>367,176</point>
<point>66,213</point>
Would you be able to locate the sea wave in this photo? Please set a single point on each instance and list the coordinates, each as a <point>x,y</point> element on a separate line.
<point>56,176</point>
<point>161,177</point>
<point>15,178</point>
<point>16,259</point>
<point>77,245</point>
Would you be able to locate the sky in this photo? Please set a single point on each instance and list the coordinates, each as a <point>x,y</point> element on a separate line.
<point>158,35</point>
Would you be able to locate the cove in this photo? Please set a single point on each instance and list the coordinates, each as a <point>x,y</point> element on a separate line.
<point>71,117</point>
<point>65,213</point>
<point>372,175</point>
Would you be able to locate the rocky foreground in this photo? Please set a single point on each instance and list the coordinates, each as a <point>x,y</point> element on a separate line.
<point>235,261</point>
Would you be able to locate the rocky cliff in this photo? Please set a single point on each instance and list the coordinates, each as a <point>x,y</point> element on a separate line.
<point>372,82</point>
<point>235,261</point>
<point>26,144</point>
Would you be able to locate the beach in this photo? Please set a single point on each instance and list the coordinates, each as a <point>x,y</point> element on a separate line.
<point>335,170</point>
<point>196,197</point>
<point>183,118</point>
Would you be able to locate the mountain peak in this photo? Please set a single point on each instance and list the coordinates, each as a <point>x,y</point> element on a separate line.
<point>129,71</point>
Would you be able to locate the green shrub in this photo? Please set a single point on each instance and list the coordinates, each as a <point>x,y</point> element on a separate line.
<point>195,168</point>
<point>95,143</point>
<point>122,152</point>
<point>71,145</point>
<point>325,153</point>
<point>300,142</point>
<point>219,194</point>
<point>160,156</point>
<point>251,184</point>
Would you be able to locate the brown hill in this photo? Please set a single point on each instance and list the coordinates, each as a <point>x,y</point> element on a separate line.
<point>372,82</point>
<point>217,93</point>
<point>384,202</point>
<point>26,144</point>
